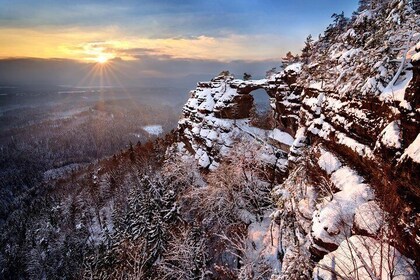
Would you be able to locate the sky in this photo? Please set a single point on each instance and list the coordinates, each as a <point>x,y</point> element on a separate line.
<point>151,39</point>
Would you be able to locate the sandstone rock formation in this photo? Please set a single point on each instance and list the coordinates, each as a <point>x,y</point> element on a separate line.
<point>353,115</point>
<point>217,109</point>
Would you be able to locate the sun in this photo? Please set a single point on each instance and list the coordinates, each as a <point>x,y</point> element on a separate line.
<point>101,59</point>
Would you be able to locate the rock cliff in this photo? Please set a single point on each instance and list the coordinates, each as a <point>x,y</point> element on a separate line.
<point>346,123</point>
<point>220,110</point>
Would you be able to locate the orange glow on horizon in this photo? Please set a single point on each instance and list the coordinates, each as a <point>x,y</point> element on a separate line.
<point>88,45</point>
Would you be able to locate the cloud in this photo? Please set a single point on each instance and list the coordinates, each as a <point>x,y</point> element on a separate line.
<point>86,44</point>
<point>132,29</point>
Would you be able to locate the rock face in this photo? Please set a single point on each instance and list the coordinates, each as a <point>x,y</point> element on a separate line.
<point>370,120</point>
<point>217,109</point>
<point>352,111</point>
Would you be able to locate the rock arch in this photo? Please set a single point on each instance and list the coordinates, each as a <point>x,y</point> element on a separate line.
<point>262,114</point>
<point>240,105</point>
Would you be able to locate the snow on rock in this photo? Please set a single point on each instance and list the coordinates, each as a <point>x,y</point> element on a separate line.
<point>316,85</point>
<point>204,132</point>
<point>261,246</point>
<point>153,129</point>
<point>212,135</point>
<point>396,92</point>
<point>214,165</point>
<point>202,157</point>
<point>224,95</point>
<point>362,257</point>
<point>298,144</point>
<point>413,151</point>
<point>333,221</point>
<point>281,137</point>
<point>418,46</point>
<point>204,160</point>
<point>314,102</point>
<point>207,104</point>
<point>295,67</point>
<point>415,57</point>
<point>390,136</point>
<point>359,148</point>
<point>328,162</point>
<point>370,218</point>
<point>218,113</point>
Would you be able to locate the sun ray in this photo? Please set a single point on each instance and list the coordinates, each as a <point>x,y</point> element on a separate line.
<point>102,59</point>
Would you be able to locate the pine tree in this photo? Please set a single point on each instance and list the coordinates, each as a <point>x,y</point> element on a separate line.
<point>140,212</point>
<point>415,5</point>
<point>335,29</point>
<point>307,50</point>
<point>156,237</point>
<point>197,242</point>
<point>289,59</point>
<point>364,5</point>
<point>224,73</point>
<point>132,153</point>
<point>247,77</point>
<point>271,72</point>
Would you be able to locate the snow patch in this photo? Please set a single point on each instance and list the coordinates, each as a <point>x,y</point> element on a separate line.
<point>413,151</point>
<point>415,57</point>
<point>390,136</point>
<point>281,137</point>
<point>316,85</point>
<point>328,162</point>
<point>359,148</point>
<point>397,91</point>
<point>153,129</point>
<point>362,257</point>
<point>295,67</point>
<point>369,217</point>
<point>262,247</point>
<point>333,221</point>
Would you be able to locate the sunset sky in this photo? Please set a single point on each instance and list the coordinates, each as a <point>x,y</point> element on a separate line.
<point>156,31</point>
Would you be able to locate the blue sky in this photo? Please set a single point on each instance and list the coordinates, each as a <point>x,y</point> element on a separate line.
<point>179,18</point>
<point>188,30</point>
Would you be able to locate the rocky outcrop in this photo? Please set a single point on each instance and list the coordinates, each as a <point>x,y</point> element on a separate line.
<point>352,112</point>
<point>409,164</point>
<point>219,109</point>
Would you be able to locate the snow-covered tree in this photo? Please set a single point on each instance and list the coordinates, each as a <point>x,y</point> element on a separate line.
<point>307,50</point>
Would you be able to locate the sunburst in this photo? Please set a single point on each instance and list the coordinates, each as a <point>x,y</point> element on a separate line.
<point>102,59</point>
